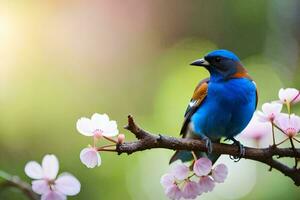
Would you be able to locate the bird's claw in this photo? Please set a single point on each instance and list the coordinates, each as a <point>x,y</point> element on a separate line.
<point>242,151</point>
<point>208,144</point>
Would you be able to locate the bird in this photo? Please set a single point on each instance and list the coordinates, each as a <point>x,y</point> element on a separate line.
<point>222,105</point>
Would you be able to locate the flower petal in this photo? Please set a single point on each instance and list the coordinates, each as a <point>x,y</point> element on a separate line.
<point>269,108</point>
<point>67,184</point>
<point>261,116</point>
<point>202,167</point>
<point>100,119</point>
<point>180,171</point>
<point>191,190</point>
<point>206,184</point>
<point>110,129</point>
<point>40,186</point>
<point>283,121</point>
<point>219,173</point>
<point>167,180</point>
<point>85,126</point>
<point>34,170</point>
<point>173,192</point>
<point>90,157</point>
<point>256,129</point>
<point>295,122</point>
<point>53,195</point>
<point>50,166</point>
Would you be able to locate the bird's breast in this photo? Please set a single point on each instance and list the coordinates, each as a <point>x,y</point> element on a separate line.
<point>227,109</point>
<point>232,92</point>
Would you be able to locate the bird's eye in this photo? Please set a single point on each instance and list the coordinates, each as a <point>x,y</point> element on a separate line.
<point>218,59</point>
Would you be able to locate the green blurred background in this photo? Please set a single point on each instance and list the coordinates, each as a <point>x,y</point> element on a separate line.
<point>62,59</point>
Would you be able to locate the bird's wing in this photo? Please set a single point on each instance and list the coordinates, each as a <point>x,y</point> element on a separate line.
<point>199,95</point>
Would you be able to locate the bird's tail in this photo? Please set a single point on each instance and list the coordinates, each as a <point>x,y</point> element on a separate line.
<point>186,156</point>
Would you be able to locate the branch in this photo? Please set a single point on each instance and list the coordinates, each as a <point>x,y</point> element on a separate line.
<point>15,181</point>
<point>147,140</point>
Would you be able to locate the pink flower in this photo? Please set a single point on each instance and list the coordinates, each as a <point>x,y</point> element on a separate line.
<point>219,173</point>
<point>191,190</point>
<point>180,171</point>
<point>202,167</point>
<point>167,180</point>
<point>206,184</point>
<point>269,112</point>
<point>173,192</point>
<point>289,124</point>
<point>257,130</point>
<point>289,95</point>
<point>97,126</point>
<point>90,157</point>
<point>45,182</point>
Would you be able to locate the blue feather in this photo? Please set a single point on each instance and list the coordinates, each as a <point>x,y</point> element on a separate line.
<point>224,53</point>
<point>227,109</point>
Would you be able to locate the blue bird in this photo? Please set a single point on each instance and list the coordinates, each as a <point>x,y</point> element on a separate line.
<point>221,106</point>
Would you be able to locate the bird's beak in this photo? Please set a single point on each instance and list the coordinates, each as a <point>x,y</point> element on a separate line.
<point>200,62</point>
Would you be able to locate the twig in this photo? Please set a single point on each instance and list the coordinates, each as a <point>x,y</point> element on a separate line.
<point>110,139</point>
<point>147,140</point>
<point>273,134</point>
<point>15,181</point>
<point>294,149</point>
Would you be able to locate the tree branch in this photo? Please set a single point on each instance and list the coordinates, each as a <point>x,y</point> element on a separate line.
<point>147,140</point>
<point>15,181</point>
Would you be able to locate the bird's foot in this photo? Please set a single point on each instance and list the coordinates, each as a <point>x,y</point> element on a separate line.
<point>208,144</point>
<point>241,151</point>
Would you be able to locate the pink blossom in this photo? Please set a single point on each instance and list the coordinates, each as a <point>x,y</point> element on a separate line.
<point>97,126</point>
<point>206,184</point>
<point>219,173</point>
<point>46,182</point>
<point>289,95</point>
<point>289,124</point>
<point>257,130</point>
<point>191,190</point>
<point>173,192</point>
<point>180,171</point>
<point>90,157</point>
<point>269,112</point>
<point>202,167</point>
<point>167,180</point>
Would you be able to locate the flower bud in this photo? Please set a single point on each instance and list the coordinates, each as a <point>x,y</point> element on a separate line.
<point>121,138</point>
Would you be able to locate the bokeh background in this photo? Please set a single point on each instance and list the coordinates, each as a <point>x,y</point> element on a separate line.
<point>62,59</point>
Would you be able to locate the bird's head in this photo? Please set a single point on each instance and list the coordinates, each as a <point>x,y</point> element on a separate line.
<point>222,64</point>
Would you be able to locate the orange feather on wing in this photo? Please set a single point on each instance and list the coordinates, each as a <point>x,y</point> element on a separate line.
<point>199,95</point>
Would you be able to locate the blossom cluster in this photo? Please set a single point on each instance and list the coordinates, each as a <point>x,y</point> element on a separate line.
<point>182,181</point>
<point>189,182</point>
<point>98,127</point>
<point>271,117</point>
